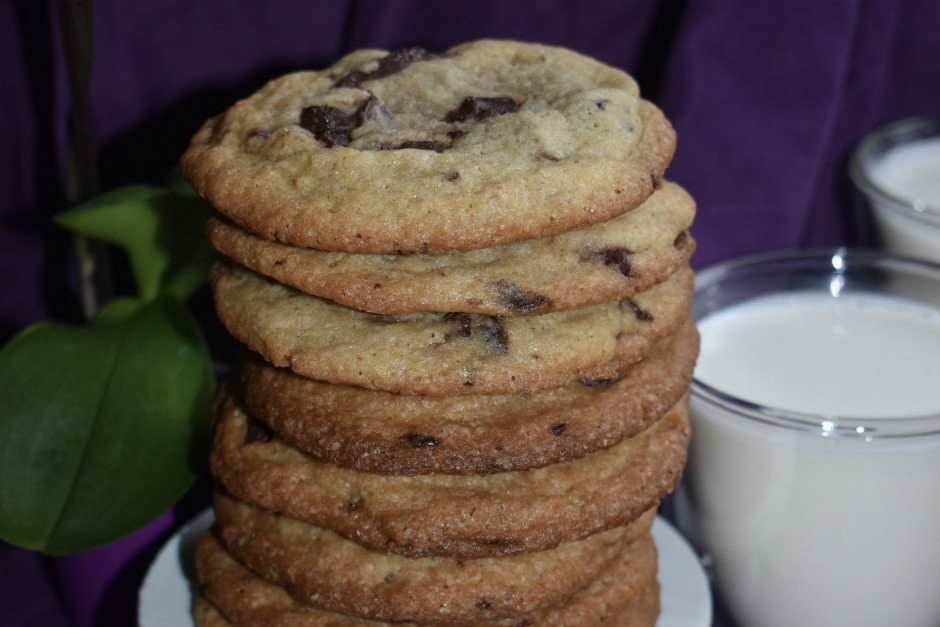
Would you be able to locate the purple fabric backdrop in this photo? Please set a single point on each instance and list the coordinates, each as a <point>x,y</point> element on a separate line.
<point>767,98</point>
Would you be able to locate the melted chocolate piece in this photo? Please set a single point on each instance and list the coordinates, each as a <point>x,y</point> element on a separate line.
<point>519,300</point>
<point>257,431</point>
<point>419,440</point>
<point>497,542</point>
<point>597,383</point>
<point>641,314</point>
<point>334,126</point>
<point>459,325</point>
<point>478,108</point>
<point>559,428</point>
<point>417,144</point>
<point>353,504</point>
<point>383,318</point>
<point>615,257</point>
<point>488,328</point>
<point>393,63</point>
<point>491,329</point>
<point>330,125</point>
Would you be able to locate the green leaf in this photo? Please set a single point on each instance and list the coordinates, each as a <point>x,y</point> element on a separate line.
<point>103,427</point>
<point>177,184</point>
<point>162,231</point>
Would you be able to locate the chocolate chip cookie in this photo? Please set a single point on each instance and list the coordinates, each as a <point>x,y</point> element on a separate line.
<point>488,143</point>
<point>609,261</point>
<point>250,600</point>
<point>445,354</point>
<point>381,432</point>
<point>325,570</point>
<point>456,515</point>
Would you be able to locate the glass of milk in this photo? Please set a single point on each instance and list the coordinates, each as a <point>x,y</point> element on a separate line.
<point>897,170</point>
<point>813,483</point>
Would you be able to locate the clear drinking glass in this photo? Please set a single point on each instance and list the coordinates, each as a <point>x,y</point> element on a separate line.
<point>897,171</point>
<point>811,515</point>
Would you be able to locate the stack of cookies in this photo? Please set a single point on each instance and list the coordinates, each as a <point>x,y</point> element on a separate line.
<point>466,289</point>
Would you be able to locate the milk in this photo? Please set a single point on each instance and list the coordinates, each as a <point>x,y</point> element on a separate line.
<point>831,524</point>
<point>903,188</point>
<point>910,171</point>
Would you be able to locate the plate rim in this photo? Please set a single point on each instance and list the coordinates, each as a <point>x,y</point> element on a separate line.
<point>684,603</point>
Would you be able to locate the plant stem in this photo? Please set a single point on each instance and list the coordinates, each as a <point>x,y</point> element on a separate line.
<point>76,29</point>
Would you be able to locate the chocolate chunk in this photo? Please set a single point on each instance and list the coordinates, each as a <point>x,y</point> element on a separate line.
<point>459,325</point>
<point>479,108</point>
<point>597,383</point>
<point>483,604</point>
<point>640,313</point>
<point>618,257</point>
<point>353,504</point>
<point>257,431</point>
<point>334,126</point>
<point>419,440</point>
<point>417,144</point>
<point>392,63</point>
<point>455,135</point>
<point>559,428</point>
<point>488,328</point>
<point>491,329</point>
<point>615,257</point>
<point>383,318</point>
<point>497,542</point>
<point>518,299</point>
<point>330,125</point>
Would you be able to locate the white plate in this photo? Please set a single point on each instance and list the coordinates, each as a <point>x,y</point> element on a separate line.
<point>167,592</point>
<point>685,596</point>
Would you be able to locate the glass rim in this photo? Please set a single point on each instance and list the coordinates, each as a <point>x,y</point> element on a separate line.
<point>838,260</point>
<point>877,143</point>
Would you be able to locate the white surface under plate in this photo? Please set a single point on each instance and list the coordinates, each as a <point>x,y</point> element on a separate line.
<point>167,592</point>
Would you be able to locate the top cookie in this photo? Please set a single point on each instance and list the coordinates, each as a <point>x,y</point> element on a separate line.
<point>489,143</point>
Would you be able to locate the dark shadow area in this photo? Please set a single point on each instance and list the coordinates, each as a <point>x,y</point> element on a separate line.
<point>119,604</point>
<point>654,53</point>
<point>855,216</point>
<point>59,294</point>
